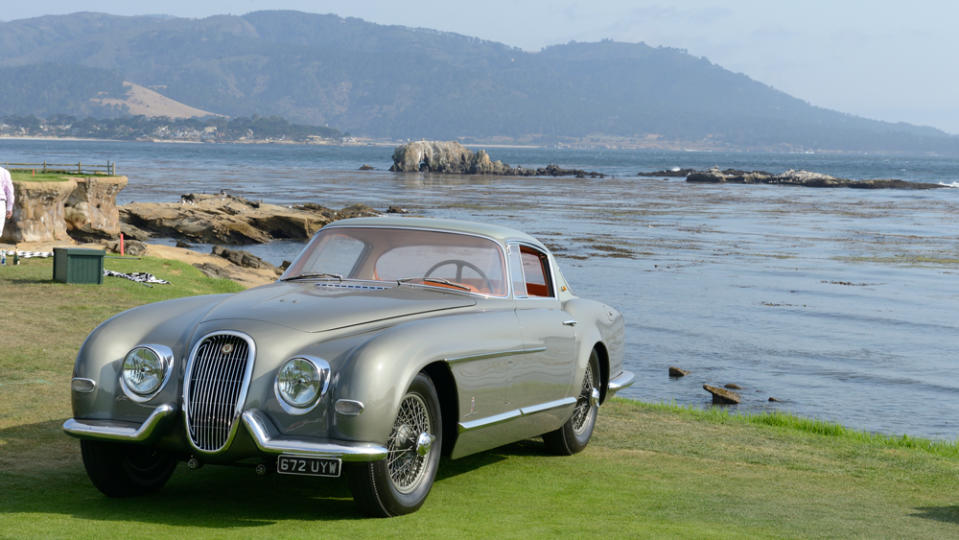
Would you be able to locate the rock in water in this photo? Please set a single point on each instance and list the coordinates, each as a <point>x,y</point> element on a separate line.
<point>732,386</point>
<point>799,178</point>
<point>444,157</point>
<point>677,372</point>
<point>242,258</point>
<point>721,395</point>
<point>451,157</point>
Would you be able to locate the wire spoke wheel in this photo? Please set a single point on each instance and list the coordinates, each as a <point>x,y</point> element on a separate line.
<point>400,483</point>
<point>584,405</point>
<point>405,464</point>
<point>574,435</point>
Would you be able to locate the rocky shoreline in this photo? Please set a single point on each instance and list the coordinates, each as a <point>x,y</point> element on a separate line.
<point>83,211</point>
<point>227,219</point>
<point>789,178</point>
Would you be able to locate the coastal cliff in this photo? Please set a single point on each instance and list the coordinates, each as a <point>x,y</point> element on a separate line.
<point>49,211</point>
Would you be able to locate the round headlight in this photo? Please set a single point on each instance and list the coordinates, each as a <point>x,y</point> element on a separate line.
<point>301,381</point>
<point>143,371</point>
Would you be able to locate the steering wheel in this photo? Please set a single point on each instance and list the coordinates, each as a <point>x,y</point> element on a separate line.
<point>460,265</point>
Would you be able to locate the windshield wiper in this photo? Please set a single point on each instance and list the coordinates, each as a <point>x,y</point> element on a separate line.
<point>319,275</point>
<point>434,280</point>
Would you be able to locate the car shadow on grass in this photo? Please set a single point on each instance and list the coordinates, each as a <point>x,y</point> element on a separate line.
<point>43,474</point>
<point>450,468</point>
<point>948,514</point>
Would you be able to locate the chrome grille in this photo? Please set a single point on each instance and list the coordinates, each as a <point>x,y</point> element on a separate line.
<point>217,381</point>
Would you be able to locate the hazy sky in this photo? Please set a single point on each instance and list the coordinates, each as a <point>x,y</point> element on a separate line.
<point>886,59</point>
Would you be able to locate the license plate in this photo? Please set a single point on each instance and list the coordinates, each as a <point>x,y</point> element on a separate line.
<point>309,466</point>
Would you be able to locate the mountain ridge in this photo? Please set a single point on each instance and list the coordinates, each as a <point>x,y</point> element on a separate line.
<point>398,82</point>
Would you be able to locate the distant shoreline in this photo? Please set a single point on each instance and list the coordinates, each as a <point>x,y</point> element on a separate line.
<point>356,142</point>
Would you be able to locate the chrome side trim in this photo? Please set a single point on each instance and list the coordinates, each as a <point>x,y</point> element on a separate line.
<point>269,441</point>
<point>549,405</point>
<point>515,413</point>
<point>623,380</point>
<point>111,430</point>
<point>489,420</point>
<point>497,354</point>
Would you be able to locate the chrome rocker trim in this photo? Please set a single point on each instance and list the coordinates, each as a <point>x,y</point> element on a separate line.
<point>112,430</point>
<point>269,441</point>
<point>624,379</point>
<point>515,413</point>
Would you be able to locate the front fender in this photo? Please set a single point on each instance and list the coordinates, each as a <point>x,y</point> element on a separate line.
<point>381,369</point>
<point>170,323</point>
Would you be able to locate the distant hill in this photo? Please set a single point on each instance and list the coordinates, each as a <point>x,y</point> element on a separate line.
<point>140,101</point>
<point>399,82</point>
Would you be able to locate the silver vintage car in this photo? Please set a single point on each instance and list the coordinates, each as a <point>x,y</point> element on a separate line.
<point>388,342</point>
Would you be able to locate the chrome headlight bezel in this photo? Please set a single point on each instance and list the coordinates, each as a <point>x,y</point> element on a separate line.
<point>320,372</point>
<point>164,363</point>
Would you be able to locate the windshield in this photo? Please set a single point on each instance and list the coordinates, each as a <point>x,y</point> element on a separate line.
<point>440,259</point>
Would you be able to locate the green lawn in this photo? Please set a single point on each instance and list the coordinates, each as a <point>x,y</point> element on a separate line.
<point>29,176</point>
<point>651,470</point>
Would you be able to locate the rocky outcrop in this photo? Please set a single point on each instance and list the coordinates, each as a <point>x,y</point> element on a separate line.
<point>227,219</point>
<point>675,172</point>
<point>39,212</point>
<point>799,178</point>
<point>677,372</point>
<point>444,157</point>
<point>721,395</point>
<point>243,259</point>
<point>92,206</point>
<point>78,207</point>
<point>450,157</point>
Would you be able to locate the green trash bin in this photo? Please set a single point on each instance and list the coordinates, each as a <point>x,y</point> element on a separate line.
<point>78,265</point>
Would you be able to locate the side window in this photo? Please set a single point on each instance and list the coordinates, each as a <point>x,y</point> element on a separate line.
<point>536,271</point>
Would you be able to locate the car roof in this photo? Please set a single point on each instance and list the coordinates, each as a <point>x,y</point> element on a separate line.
<point>496,232</point>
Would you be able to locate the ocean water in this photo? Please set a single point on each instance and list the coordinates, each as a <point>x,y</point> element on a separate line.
<point>842,304</point>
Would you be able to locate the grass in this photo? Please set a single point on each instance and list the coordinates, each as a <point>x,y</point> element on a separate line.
<point>650,471</point>
<point>20,175</point>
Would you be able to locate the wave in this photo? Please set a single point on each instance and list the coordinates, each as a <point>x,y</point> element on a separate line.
<point>949,184</point>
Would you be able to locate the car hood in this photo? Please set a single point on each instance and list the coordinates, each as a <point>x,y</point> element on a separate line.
<point>315,307</point>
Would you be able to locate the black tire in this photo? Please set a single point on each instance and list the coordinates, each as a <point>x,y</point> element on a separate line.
<point>574,435</point>
<point>400,483</point>
<point>126,470</point>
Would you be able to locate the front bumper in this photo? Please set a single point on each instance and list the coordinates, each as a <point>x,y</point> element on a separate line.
<point>112,430</point>
<point>261,429</point>
<point>270,442</point>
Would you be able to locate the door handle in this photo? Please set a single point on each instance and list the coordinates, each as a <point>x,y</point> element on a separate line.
<point>571,322</point>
